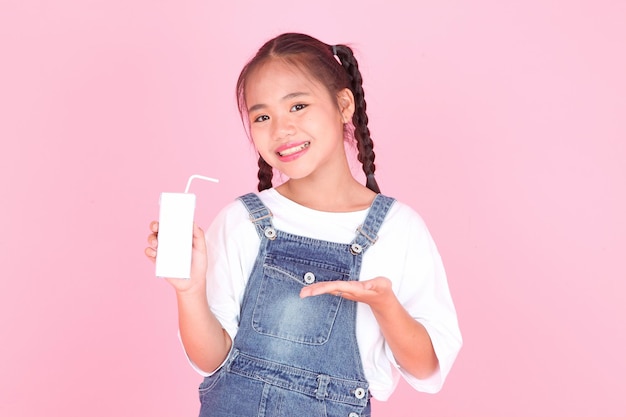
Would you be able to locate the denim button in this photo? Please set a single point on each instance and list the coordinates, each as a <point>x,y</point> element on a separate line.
<point>309,277</point>
<point>270,233</point>
<point>353,415</point>
<point>359,393</point>
<point>355,249</point>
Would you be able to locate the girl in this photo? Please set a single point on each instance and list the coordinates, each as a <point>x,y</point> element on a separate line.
<point>314,296</point>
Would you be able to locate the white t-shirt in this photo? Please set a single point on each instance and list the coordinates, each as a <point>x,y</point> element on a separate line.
<point>405,253</point>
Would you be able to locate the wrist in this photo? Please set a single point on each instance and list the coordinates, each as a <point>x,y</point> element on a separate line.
<point>386,306</point>
<point>191,292</point>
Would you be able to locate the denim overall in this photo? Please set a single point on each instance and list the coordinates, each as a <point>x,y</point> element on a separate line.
<point>295,357</point>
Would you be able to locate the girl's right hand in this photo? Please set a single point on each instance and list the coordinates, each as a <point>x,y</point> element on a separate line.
<point>198,259</point>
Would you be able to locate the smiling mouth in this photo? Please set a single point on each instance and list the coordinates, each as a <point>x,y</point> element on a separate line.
<point>295,149</point>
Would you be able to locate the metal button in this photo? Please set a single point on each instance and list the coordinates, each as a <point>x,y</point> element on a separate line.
<point>309,277</point>
<point>270,233</point>
<point>353,415</point>
<point>359,393</point>
<point>355,248</point>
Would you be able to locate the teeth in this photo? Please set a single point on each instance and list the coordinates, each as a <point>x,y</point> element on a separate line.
<point>293,150</point>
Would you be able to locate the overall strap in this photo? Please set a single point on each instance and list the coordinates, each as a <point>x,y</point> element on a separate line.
<point>367,233</point>
<point>260,215</point>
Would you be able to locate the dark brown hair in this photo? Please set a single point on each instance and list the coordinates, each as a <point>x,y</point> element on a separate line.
<point>333,66</point>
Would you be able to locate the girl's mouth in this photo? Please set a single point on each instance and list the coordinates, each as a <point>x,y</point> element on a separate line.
<point>294,149</point>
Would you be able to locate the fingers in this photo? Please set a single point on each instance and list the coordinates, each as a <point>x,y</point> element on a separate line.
<point>338,288</point>
<point>150,251</point>
<point>376,291</point>
<point>152,237</point>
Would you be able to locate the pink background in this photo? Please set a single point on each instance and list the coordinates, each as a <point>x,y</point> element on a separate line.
<point>502,123</point>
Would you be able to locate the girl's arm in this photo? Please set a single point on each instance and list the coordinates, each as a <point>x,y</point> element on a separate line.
<point>408,339</point>
<point>206,343</point>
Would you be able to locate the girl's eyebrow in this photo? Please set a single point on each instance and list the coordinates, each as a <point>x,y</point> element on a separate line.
<point>289,96</point>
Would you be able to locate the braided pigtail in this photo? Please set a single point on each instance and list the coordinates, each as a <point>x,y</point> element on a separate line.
<point>265,175</point>
<point>365,145</point>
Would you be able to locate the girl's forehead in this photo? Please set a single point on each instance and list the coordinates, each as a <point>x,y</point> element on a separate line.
<point>276,74</point>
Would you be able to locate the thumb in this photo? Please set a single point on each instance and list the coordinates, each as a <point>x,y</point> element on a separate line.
<point>198,238</point>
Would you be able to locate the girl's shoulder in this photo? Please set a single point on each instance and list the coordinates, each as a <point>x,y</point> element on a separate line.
<point>232,220</point>
<point>404,224</point>
<point>234,216</point>
<point>403,216</point>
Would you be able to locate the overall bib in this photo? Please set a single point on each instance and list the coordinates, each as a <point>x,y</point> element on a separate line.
<point>292,356</point>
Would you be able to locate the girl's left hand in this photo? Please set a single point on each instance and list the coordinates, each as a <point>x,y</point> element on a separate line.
<point>375,292</point>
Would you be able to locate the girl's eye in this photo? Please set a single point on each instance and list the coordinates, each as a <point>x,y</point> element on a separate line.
<point>298,107</point>
<point>261,118</point>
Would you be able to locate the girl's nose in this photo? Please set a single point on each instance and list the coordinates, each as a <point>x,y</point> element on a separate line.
<point>283,127</point>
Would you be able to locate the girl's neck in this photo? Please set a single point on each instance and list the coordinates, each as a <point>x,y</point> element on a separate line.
<point>339,195</point>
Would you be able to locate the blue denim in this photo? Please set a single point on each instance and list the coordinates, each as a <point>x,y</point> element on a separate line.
<point>293,356</point>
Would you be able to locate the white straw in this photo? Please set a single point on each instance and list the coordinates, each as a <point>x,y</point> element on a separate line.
<point>200,177</point>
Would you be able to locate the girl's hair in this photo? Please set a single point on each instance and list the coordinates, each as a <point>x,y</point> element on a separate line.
<point>336,68</point>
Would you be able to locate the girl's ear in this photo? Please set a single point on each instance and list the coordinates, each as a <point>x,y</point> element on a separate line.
<point>345,100</point>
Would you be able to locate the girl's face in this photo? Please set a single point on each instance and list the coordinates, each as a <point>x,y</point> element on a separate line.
<point>295,123</point>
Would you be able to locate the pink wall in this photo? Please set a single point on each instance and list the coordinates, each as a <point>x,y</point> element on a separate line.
<point>503,125</point>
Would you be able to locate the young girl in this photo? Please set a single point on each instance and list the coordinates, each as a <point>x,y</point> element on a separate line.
<point>314,296</point>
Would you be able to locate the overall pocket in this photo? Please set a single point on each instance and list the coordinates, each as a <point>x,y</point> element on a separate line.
<point>280,312</point>
<point>209,383</point>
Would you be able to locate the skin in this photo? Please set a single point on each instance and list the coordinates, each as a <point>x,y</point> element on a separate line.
<point>287,107</point>
<point>205,341</point>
